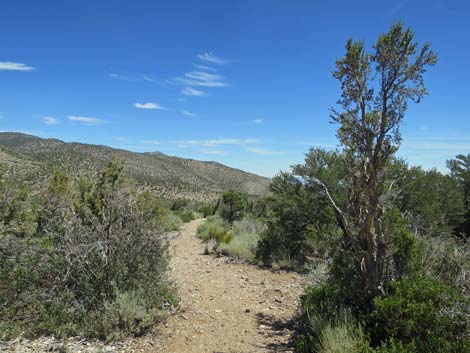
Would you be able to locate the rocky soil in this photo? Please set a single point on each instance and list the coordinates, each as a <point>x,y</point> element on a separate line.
<point>225,307</point>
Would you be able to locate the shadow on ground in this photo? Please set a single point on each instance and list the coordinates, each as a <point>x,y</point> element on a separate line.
<point>276,327</point>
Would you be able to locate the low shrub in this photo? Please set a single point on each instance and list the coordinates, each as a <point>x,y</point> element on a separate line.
<point>187,216</point>
<point>325,333</point>
<point>213,228</point>
<point>96,264</point>
<point>423,314</point>
<point>241,246</point>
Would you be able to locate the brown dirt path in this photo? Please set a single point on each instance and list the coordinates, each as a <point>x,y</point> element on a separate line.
<point>225,307</point>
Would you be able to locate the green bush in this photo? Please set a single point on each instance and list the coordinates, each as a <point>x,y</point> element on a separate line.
<point>425,315</point>
<point>239,241</point>
<point>187,216</point>
<point>97,243</point>
<point>171,222</point>
<point>325,332</point>
<point>233,206</point>
<point>213,228</point>
<point>241,246</point>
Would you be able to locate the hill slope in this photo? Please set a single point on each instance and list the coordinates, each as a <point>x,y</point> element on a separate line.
<point>171,177</point>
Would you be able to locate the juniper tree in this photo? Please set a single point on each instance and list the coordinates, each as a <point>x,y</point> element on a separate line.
<point>460,171</point>
<point>376,89</point>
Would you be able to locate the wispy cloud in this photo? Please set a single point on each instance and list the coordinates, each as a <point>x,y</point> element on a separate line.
<point>217,142</point>
<point>188,113</point>
<point>188,91</point>
<point>258,121</point>
<point>84,120</point>
<point>436,144</point>
<point>216,152</point>
<point>149,105</point>
<point>13,66</point>
<point>211,58</point>
<point>49,120</point>
<point>263,152</point>
<point>131,78</point>
<point>202,79</point>
<point>204,67</point>
<point>151,142</point>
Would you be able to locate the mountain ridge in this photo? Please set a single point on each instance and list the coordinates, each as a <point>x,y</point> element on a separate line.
<point>169,176</point>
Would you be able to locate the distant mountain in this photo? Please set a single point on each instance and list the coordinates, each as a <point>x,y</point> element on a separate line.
<point>32,158</point>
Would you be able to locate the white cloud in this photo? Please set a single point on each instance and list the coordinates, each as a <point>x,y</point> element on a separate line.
<point>204,67</point>
<point>188,91</point>
<point>188,113</point>
<point>263,152</point>
<point>130,78</point>
<point>257,121</point>
<point>149,105</point>
<point>12,66</point>
<point>203,76</point>
<point>217,152</point>
<point>189,82</point>
<point>48,120</point>
<point>202,79</point>
<point>84,120</point>
<point>211,58</point>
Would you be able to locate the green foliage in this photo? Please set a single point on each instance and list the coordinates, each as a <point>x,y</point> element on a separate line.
<point>213,228</point>
<point>432,199</point>
<point>96,254</point>
<point>239,241</point>
<point>233,206</point>
<point>423,314</point>
<point>460,172</point>
<point>245,236</point>
<point>187,216</point>
<point>447,260</point>
<point>33,159</point>
<point>300,222</point>
<point>334,331</point>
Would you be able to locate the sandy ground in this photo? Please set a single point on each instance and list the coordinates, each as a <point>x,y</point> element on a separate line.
<point>226,307</point>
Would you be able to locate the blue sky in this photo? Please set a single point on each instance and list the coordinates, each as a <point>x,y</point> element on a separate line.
<point>246,83</point>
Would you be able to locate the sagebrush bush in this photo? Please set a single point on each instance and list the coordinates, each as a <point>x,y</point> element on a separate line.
<point>241,246</point>
<point>97,243</point>
<point>239,240</point>
<point>336,332</point>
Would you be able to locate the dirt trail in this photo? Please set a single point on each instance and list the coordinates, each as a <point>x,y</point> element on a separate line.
<point>225,307</point>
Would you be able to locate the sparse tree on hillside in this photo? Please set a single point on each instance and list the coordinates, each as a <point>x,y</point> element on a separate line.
<point>233,205</point>
<point>460,171</point>
<point>376,88</point>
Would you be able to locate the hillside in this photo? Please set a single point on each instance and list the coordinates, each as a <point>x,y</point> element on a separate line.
<point>170,177</point>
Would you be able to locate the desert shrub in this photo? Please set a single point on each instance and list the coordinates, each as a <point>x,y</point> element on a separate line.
<point>249,225</point>
<point>447,260</point>
<point>187,216</point>
<point>207,210</point>
<point>323,332</point>
<point>129,313</point>
<point>238,241</point>
<point>423,314</point>
<point>299,223</point>
<point>241,246</point>
<point>213,228</point>
<point>171,221</point>
<point>98,242</point>
<point>245,236</point>
<point>233,205</point>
